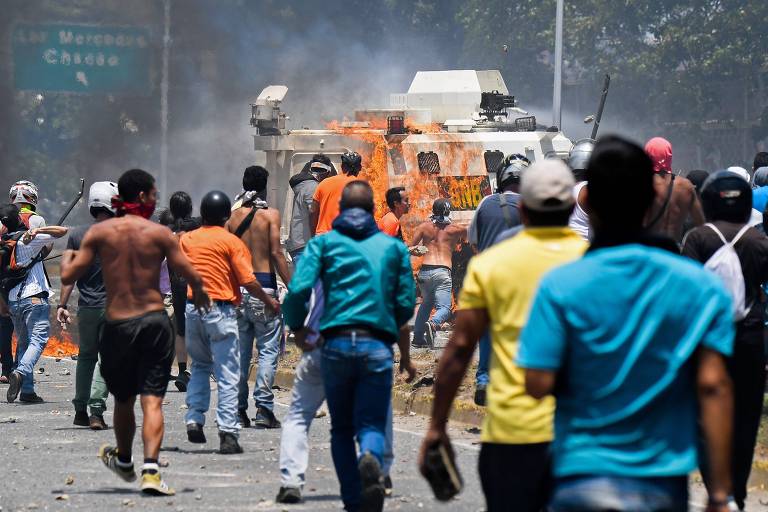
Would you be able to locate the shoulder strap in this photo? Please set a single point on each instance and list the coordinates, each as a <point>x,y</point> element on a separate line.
<point>666,204</point>
<point>740,234</point>
<point>505,209</point>
<point>243,227</point>
<point>717,232</point>
<point>722,238</point>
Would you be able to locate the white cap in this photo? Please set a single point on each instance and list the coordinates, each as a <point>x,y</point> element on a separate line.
<point>547,186</point>
<point>740,171</point>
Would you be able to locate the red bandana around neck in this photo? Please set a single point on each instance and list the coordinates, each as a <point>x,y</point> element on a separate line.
<point>124,208</point>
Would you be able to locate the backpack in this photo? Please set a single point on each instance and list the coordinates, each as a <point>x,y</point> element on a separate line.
<point>725,263</point>
<point>11,273</point>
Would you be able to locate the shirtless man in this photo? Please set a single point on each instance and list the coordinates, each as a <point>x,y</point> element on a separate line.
<point>440,237</point>
<point>261,233</point>
<point>676,199</point>
<point>136,345</point>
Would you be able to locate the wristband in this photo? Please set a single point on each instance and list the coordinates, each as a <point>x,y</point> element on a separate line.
<point>61,306</point>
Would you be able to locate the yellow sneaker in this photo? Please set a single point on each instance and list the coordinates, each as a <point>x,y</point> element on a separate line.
<point>154,485</point>
<point>108,455</point>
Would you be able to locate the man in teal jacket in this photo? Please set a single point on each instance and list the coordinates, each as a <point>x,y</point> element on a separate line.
<point>369,295</point>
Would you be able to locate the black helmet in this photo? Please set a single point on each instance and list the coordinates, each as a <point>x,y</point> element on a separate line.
<point>441,207</point>
<point>351,163</point>
<point>510,170</point>
<point>727,196</point>
<point>215,208</point>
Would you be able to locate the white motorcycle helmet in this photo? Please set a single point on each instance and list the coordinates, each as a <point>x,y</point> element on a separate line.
<point>25,192</point>
<point>100,195</point>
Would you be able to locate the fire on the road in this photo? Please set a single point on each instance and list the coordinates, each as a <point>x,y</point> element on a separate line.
<point>58,346</point>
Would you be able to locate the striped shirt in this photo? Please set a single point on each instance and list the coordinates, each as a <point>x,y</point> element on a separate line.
<point>36,281</point>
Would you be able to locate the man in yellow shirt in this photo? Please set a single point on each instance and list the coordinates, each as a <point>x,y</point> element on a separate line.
<point>499,287</point>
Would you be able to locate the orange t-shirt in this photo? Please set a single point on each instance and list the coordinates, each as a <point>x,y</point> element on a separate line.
<point>328,194</point>
<point>390,224</point>
<point>222,259</point>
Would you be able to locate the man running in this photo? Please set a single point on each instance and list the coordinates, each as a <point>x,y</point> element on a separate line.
<point>676,199</point>
<point>434,278</point>
<point>399,205</point>
<point>258,226</point>
<point>90,389</point>
<point>136,345</point>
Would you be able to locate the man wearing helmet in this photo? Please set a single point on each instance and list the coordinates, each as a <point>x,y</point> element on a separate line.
<point>90,389</point>
<point>434,278</point>
<point>676,198</point>
<point>577,161</point>
<point>224,263</point>
<point>727,202</point>
<point>495,214</point>
<point>325,202</point>
<point>136,342</point>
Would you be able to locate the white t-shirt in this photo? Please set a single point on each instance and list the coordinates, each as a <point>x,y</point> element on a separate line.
<point>579,221</point>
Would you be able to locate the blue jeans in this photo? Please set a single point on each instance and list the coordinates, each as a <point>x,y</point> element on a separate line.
<point>435,286</point>
<point>30,320</point>
<point>296,255</point>
<point>484,361</point>
<point>213,347</point>
<point>357,374</point>
<point>255,321</point>
<point>600,493</point>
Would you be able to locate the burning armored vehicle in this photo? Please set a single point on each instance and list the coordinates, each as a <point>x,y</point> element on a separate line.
<point>443,138</point>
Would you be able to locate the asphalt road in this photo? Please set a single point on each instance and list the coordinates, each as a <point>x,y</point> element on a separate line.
<point>48,464</point>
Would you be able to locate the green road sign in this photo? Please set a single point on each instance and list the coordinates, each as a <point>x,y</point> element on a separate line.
<point>82,58</point>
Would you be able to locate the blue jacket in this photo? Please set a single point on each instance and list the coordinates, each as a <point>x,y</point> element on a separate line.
<point>366,275</point>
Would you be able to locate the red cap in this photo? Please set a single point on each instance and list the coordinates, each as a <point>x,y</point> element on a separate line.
<point>660,152</point>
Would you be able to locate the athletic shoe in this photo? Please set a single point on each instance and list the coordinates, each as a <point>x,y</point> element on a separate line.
<point>289,495</point>
<point>154,485</point>
<point>108,455</point>
<point>96,422</point>
<point>14,381</point>
<point>372,482</point>
<point>228,444</point>
<point>195,433</point>
<point>242,415</point>
<point>182,381</point>
<point>265,419</point>
<point>429,334</point>
<point>31,398</point>
<point>81,419</point>
<point>480,395</point>
<point>387,486</point>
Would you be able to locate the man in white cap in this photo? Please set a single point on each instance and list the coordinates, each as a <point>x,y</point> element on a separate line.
<point>498,289</point>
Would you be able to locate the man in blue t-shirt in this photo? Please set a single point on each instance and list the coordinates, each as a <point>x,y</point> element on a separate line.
<point>632,341</point>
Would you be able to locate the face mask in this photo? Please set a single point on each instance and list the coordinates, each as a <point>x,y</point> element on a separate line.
<point>124,208</point>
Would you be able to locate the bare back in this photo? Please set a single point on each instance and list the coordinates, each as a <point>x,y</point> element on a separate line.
<point>131,250</point>
<point>440,241</point>
<point>262,238</point>
<point>683,203</point>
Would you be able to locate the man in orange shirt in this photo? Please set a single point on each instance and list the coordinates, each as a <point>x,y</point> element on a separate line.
<point>398,203</point>
<point>325,203</point>
<point>224,263</point>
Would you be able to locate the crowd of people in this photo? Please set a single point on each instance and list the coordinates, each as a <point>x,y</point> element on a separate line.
<point>621,335</point>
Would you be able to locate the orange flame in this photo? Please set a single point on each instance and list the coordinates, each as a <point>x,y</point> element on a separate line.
<point>57,346</point>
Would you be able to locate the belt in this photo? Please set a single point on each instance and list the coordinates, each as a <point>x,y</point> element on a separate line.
<point>223,302</point>
<point>359,332</point>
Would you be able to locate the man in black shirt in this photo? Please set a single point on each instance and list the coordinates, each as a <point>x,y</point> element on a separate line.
<point>90,389</point>
<point>727,201</point>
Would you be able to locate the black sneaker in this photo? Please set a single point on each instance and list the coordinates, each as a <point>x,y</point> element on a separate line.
<point>228,444</point>
<point>265,419</point>
<point>182,381</point>
<point>81,419</point>
<point>429,334</point>
<point>242,416</point>
<point>387,486</point>
<point>195,433</point>
<point>31,398</point>
<point>372,483</point>
<point>480,395</point>
<point>289,495</point>
<point>14,386</point>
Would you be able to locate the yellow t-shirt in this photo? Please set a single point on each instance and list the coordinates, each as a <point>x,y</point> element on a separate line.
<point>503,280</point>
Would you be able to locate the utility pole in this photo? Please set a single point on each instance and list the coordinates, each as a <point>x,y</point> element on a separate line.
<point>557,113</point>
<point>164,100</point>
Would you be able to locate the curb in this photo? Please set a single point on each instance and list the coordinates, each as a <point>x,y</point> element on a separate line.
<point>404,402</point>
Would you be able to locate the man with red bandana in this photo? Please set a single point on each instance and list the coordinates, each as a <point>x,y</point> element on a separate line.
<point>137,344</point>
<point>676,199</point>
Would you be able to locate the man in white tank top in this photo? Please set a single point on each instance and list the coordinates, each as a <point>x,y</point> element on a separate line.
<point>577,161</point>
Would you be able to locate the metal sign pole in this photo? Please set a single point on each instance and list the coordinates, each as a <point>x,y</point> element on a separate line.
<point>557,115</point>
<point>163,186</point>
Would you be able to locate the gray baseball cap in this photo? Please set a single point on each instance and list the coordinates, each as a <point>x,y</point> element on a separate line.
<point>547,186</point>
